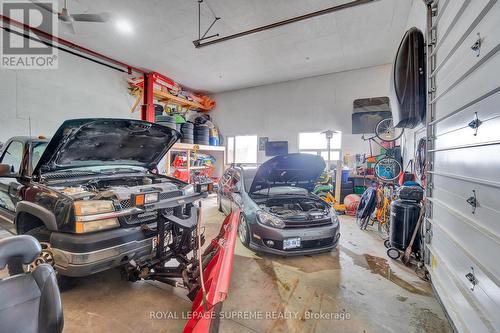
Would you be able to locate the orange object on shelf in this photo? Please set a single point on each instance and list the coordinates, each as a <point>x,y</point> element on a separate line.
<point>181,175</point>
<point>168,91</point>
<point>207,102</point>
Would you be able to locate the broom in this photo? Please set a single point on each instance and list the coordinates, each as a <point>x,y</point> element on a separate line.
<point>406,257</point>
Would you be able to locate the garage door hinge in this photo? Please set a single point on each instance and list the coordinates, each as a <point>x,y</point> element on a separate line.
<point>472,200</point>
<point>475,123</point>
<point>472,278</point>
<point>476,47</point>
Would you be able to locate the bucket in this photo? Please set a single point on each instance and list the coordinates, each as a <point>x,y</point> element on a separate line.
<point>214,141</point>
<point>344,176</point>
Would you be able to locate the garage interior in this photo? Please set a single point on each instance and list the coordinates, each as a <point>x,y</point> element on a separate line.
<point>379,116</point>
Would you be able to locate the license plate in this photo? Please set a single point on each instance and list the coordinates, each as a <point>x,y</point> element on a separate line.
<point>291,243</point>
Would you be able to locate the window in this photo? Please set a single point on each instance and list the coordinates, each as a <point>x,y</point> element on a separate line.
<point>230,150</point>
<point>316,143</point>
<point>248,176</point>
<point>13,155</point>
<point>242,149</point>
<point>37,151</point>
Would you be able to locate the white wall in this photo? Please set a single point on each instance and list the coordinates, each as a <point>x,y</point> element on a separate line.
<point>78,89</point>
<point>280,111</point>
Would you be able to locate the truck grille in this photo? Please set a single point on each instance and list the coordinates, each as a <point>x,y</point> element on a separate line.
<point>163,196</point>
<point>147,217</point>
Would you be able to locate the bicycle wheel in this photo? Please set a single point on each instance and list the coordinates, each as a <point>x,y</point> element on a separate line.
<point>388,169</point>
<point>386,131</point>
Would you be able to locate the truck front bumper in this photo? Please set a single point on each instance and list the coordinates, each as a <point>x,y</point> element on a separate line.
<point>81,255</point>
<point>85,254</point>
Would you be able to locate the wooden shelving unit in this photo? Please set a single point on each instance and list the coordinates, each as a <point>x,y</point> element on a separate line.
<point>216,151</point>
<point>172,99</point>
<point>167,98</point>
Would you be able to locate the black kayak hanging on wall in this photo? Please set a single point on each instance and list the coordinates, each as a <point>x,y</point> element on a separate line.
<point>408,82</point>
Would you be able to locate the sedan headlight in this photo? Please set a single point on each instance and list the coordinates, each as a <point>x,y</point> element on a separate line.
<point>270,220</point>
<point>92,207</point>
<point>335,218</point>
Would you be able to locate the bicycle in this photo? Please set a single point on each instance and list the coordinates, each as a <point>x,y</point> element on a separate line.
<point>387,168</point>
<point>381,212</point>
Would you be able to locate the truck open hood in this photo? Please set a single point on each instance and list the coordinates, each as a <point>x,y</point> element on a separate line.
<point>102,142</point>
<point>300,170</point>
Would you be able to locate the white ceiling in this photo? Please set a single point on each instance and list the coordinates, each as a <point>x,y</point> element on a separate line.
<point>163,31</point>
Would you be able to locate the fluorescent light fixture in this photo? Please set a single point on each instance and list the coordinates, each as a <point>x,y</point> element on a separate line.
<point>124,26</point>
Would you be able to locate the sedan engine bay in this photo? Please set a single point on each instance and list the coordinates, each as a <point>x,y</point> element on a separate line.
<point>295,208</point>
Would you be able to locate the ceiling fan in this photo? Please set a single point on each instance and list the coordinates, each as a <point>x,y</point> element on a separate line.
<point>68,19</point>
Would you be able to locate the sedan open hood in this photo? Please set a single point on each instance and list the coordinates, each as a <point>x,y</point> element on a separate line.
<point>103,142</point>
<point>301,170</point>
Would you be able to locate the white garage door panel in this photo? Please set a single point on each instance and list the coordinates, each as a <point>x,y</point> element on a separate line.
<point>488,132</point>
<point>462,161</point>
<point>457,306</point>
<point>477,162</point>
<point>449,17</point>
<point>459,261</point>
<point>487,109</point>
<point>457,266</point>
<point>482,247</point>
<point>455,192</point>
<point>483,80</point>
<point>467,21</point>
<point>465,58</point>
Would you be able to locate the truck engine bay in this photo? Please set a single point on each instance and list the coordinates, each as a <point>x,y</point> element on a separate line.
<point>114,188</point>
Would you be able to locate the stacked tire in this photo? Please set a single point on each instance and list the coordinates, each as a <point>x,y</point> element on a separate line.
<point>167,121</point>
<point>187,130</point>
<point>201,135</point>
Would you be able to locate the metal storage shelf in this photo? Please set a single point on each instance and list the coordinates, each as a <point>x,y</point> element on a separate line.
<point>218,152</point>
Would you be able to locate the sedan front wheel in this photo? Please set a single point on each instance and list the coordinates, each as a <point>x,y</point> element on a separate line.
<point>244,231</point>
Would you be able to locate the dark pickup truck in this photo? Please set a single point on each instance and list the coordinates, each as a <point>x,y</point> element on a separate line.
<point>92,196</point>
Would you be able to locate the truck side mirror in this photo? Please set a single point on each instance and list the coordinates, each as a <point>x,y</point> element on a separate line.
<point>6,170</point>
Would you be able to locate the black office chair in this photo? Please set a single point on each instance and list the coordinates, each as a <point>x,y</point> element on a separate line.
<point>29,302</point>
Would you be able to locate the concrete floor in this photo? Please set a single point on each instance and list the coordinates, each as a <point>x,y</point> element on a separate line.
<point>353,289</point>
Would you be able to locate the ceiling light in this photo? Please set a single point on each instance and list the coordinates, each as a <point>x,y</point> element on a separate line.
<point>124,26</point>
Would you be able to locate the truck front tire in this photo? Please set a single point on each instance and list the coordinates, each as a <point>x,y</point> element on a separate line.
<point>42,234</point>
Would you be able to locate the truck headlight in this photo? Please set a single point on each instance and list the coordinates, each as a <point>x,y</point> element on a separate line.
<point>141,199</point>
<point>91,226</point>
<point>92,207</point>
<point>188,189</point>
<point>270,220</point>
